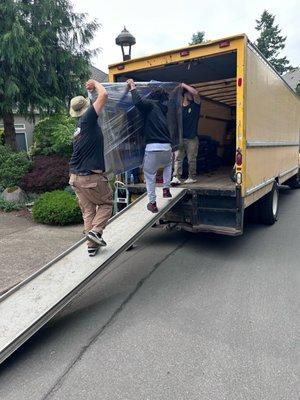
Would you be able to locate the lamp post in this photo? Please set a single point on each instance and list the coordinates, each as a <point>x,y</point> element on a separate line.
<point>125,40</point>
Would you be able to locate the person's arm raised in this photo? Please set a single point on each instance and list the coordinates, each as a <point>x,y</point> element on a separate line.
<point>142,105</point>
<point>192,91</point>
<point>99,103</point>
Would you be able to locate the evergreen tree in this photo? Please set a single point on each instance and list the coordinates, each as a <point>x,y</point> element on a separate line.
<point>44,58</point>
<point>197,38</point>
<point>271,42</point>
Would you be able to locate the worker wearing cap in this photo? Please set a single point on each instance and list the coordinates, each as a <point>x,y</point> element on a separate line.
<point>87,166</point>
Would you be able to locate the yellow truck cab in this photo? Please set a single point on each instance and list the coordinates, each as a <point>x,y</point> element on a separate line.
<point>253,115</point>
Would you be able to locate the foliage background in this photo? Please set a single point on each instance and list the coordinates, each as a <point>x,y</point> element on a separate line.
<point>53,135</point>
<point>48,173</point>
<point>44,58</point>
<point>13,166</point>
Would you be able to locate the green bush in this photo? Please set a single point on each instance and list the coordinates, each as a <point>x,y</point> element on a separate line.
<point>57,208</point>
<point>8,206</point>
<point>1,136</point>
<point>53,135</point>
<point>13,166</point>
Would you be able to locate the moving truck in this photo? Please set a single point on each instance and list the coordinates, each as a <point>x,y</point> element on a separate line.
<point>252,115</point>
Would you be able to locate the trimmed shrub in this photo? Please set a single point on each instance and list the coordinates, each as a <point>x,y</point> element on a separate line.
<point>48,173</point>
<point>53,135</point>
<point>13,166</point>
<point>2,136</point>
<point>57,208</point>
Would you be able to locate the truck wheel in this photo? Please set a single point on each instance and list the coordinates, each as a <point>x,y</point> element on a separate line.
<point>268,206</point>
<point>294,181</point>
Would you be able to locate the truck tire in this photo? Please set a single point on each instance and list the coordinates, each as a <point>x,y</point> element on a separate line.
<point>294,181</point>
<point>268,206</point>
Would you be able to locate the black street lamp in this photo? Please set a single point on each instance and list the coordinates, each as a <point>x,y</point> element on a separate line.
<point>125,40</point>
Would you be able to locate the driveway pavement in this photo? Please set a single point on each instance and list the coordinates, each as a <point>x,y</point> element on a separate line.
<point>26,246</point>
<point>181,317</point>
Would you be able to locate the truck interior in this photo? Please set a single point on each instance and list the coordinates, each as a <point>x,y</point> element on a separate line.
<point>215,79</point>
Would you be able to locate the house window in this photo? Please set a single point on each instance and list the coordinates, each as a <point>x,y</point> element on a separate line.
<point>21,141</point>
<point>19,126</point>
<point>21,136</point>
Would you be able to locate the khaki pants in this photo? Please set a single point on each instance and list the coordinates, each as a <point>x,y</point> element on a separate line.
<point>188,147</point>
<point>95,199</point>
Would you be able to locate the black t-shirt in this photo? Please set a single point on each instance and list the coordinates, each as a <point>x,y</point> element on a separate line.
<point>155,119</point>
<point>88,147</point>
<point>190,117</point>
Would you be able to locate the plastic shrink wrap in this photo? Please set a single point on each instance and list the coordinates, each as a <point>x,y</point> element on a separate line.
<point>122,124</point>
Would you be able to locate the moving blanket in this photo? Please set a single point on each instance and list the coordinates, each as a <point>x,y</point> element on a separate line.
<point>122,124</point>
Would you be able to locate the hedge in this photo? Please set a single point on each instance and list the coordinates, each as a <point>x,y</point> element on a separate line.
<point>57,208</point>
<point>13,167</point>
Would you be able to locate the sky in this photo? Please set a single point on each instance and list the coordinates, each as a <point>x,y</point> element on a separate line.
<point>160,25</point>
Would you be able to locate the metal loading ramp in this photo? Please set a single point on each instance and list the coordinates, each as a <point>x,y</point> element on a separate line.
<point>31,304</point>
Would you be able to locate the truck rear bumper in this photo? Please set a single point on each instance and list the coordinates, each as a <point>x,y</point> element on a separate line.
<point>216,212</point>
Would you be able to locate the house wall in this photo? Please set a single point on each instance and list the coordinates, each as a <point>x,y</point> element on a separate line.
<point>28,130</point>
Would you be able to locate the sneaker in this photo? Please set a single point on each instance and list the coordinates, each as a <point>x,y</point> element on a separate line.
<point>166,192</point>
<point>190,180</point>
<point>96,237</point>
<point>92,251</point>
<point>152,207</point>
<point>175,181</point>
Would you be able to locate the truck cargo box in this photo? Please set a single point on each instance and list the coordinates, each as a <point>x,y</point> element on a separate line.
<point>250,121</point>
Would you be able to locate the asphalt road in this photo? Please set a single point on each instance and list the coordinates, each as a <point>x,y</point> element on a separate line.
<point>181,316</point>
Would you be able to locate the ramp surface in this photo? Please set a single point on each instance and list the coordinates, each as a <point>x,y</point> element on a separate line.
<point>32,303</point>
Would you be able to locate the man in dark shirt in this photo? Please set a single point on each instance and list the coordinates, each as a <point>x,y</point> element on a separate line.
<point>158,152</point>
<point>189,146</point>
<point>87,166</point>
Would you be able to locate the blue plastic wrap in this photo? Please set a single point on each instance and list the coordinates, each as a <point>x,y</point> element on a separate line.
<point>122,124</point>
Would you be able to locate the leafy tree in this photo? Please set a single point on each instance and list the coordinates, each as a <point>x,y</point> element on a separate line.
<point>197,38</point>
<point>44,58</point>
<point>271,42</point>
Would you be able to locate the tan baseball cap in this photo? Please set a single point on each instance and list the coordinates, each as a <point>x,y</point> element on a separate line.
<point>78,106</point>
